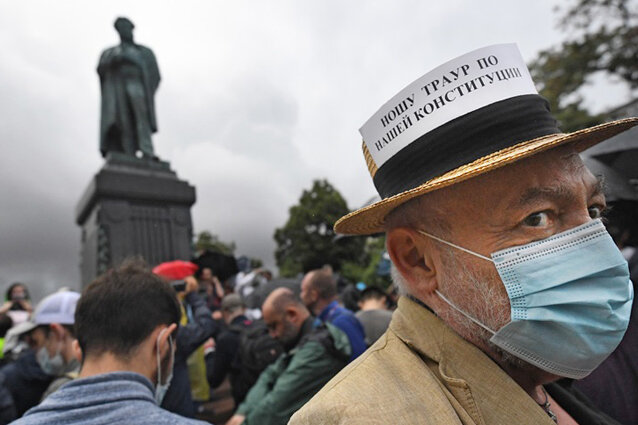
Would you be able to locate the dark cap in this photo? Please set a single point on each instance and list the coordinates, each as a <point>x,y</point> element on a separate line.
<point>231,302</point>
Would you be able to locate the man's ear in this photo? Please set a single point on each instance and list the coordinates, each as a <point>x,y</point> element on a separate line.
<point>77,351</point>
<point>57,329</point>
<point>314,294</point>
<point>291,314</point>
<point>164,332</point>
<point>411,254</point>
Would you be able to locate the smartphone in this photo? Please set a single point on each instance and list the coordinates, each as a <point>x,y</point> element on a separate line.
<point>179,285</point>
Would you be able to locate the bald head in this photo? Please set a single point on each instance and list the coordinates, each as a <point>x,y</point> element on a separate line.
<point>284,315</point>
<point>280,299</point>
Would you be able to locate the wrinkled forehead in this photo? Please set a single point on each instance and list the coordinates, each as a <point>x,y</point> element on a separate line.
<point>498,190</point>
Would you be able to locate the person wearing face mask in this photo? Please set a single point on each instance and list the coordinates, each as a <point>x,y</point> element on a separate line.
<point>125,325</point>
<point>509,279</point>
<point>53,338</point>
<point>17,303</point>
<point>51,360</point>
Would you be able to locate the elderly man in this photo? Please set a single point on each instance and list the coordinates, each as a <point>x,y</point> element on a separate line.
<point>493,227</point>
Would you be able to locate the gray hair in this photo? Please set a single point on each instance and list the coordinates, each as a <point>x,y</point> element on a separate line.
<point>399,281</point>
<point>418,213</point>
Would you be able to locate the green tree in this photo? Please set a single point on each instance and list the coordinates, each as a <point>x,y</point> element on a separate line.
<point>207,241</point>
<point>603,39</point>
<point>367,273</point>
<point>307,240</point>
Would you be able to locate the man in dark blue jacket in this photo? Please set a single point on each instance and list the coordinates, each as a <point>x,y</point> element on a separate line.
<point>319,294</point>
<point>24,382</point>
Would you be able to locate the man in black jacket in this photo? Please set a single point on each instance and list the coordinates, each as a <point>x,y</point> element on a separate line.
<point>219,362</point>
<point>242,351</point>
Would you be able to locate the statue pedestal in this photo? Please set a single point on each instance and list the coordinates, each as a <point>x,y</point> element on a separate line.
<point>134,207</point>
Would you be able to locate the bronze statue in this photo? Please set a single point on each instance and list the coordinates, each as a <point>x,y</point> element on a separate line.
<point>129,77</point>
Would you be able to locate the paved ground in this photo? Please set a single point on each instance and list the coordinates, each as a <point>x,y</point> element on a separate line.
<point>220,408</point>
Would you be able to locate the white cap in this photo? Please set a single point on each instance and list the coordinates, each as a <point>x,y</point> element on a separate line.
<point>56,308</point>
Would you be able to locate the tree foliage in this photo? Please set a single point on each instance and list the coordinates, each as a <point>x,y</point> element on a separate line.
<point>307,240</point>
<point>603,38</point>
<point>367,272</point>
<point>207,241</point>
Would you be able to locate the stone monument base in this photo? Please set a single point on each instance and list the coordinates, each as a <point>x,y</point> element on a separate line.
<point>134,207</point>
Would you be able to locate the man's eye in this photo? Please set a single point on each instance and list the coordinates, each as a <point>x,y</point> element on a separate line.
<point>537,219</point>
<point>596,211</point>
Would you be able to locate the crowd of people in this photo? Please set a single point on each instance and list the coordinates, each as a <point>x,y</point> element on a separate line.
<point>172,345</point>
<point>515,307</point>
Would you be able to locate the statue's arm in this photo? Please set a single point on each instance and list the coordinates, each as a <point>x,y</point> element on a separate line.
<point>104,63</point>
<point>152,69</point>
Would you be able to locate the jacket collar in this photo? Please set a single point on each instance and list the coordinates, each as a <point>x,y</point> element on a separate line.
<point>323,316</point>
<point>306,328</point>
<point>482,388</point>
<point>241,319</point>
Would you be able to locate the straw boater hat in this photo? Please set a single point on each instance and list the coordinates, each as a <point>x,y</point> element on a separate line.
<point>473,114</point>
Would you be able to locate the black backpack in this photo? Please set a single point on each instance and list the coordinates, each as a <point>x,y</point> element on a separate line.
<point>257,349</point>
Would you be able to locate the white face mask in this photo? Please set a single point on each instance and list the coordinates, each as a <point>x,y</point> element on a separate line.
<point>570,298</point>
<point>162,388</point>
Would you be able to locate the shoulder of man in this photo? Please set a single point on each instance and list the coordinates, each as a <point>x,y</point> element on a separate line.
<point>373,313</point>
<point>332,339</point>
<point>140,414</point>
<point>402,384</point>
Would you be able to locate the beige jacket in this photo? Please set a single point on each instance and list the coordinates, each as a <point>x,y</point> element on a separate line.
<point>421,372</point>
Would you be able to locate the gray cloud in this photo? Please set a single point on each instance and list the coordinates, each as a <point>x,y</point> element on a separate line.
<point>257,99</point>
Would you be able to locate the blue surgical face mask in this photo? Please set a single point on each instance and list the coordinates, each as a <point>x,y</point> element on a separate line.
<point>570,298</point>
<point>162,388</point>
<point>53,366</point>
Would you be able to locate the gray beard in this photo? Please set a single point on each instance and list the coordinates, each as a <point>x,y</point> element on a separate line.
<point>471,292</point>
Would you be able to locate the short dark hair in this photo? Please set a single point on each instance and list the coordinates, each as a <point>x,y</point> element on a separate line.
<point>121,308</point>
<point>372,293</point>
<point>324,283</point>
<point>47,329</point>
<point>12,287</point>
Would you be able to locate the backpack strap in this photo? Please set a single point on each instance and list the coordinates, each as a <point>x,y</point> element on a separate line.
<point>322,335</point>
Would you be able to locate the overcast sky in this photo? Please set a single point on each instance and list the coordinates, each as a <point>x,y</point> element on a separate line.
<point>257,99</point>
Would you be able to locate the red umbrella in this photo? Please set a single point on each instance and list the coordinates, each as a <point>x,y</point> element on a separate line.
<point>177,269</point>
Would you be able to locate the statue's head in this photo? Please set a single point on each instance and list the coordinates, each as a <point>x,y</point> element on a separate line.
<point>125,28</point>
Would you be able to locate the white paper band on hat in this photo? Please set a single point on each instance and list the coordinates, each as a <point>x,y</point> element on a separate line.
<point>460,86</point>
